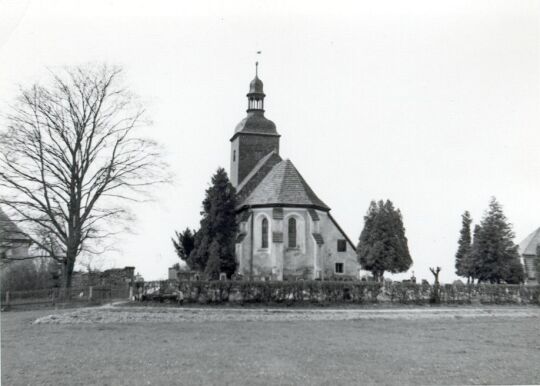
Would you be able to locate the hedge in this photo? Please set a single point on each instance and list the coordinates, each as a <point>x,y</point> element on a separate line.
<point>353,292</point>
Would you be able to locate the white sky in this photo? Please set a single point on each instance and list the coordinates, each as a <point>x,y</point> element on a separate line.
<point>435,105</point>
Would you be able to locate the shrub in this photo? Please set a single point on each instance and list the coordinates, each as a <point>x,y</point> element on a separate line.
<point>352,292</point>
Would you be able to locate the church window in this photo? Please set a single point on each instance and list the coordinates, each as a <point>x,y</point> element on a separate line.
<point>341,245</point>
<point>292,232</point>
<point>339,267</point>
<point>264,233</point>
<point>234,155</point>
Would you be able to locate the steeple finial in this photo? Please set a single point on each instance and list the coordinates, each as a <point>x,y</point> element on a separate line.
<point>257,68</point>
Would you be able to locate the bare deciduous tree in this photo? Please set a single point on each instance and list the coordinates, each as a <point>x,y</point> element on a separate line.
<point>436,296</point>
<point>70,156</point>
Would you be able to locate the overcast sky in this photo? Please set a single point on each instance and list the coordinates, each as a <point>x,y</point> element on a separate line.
<point>434,105</point>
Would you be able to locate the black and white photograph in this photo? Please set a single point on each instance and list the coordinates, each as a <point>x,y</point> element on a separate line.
<point>262,192</point>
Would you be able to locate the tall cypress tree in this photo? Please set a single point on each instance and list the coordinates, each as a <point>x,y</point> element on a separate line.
<point>216,236</point>
<point>463,263</point>
<point>495,254</point>
<point>382,245</point>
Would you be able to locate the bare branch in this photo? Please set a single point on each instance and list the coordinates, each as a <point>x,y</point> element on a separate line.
<point>70,155</point>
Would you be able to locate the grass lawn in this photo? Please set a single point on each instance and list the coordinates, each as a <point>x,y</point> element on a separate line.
<point>446,350</point>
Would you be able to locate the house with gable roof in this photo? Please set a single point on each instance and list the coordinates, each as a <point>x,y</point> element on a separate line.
<point>13,242</point>
<point>286,231</point>
<point>528,250</point>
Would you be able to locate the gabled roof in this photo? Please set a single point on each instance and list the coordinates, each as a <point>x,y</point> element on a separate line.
<point>9,231</point>
<point>284,186</point>
<point>529,245</point>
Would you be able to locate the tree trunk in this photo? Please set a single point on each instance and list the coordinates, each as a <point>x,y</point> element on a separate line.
<point>67,271</point>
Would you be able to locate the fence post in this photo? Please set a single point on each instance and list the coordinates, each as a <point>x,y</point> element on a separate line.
<point>7,298</point>
<point>90,292</point>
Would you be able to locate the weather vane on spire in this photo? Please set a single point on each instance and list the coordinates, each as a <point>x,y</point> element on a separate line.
<point>257,65</point>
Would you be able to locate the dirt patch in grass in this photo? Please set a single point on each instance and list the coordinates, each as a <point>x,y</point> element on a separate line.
<point>493,349</point>
<point>121,314</point>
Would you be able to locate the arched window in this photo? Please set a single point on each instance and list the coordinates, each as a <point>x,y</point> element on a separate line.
<point>264,233</point>
<point>292,232</point>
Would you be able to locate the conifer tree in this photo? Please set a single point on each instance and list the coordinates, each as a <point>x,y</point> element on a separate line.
<point>494,252</point>
<point>218,224</point>
<point>184,244</point>
<point>463,263</point>
<point>213,266</point>
<point>383,246</point>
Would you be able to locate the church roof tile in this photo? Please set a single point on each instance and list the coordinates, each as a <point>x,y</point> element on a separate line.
<point>284,185</point>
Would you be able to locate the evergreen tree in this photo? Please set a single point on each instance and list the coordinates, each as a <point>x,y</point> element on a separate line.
<point>184,244</point>
<point>516,273</point>
<point>217,233</point>
<point>463,266</point>
<point>495,255</point>
<point>383,245</point>
<point>213,266</point>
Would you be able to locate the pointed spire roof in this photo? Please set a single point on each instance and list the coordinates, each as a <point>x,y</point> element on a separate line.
<point>255,122</point>
<point>256,85</point>
<point>529,245</point>
<point>284,185</point>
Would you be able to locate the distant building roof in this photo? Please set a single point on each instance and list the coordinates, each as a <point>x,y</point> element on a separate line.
<point>529,245</point>
<point>9,231</point>
<point>284,185</point>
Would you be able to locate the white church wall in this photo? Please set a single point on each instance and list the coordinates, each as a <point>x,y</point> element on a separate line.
<point>297,261</point>
<point>279,261</point>
<point>329,253</point>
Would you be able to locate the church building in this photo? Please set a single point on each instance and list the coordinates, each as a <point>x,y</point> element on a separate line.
<point>286,231</point>
<point>529,252</point>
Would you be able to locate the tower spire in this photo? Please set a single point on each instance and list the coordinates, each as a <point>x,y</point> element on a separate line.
<point>256,93</point>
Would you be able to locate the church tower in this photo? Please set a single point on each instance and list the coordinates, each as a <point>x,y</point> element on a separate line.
<point>254,137</point>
